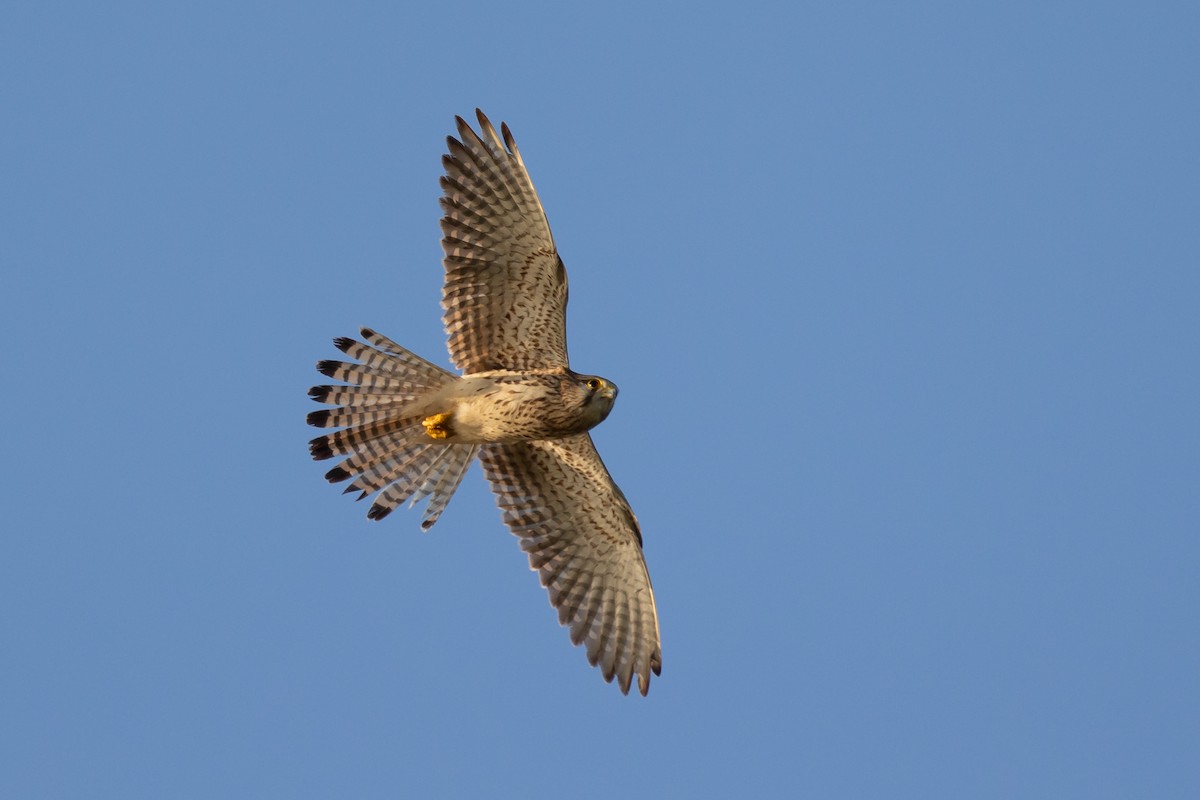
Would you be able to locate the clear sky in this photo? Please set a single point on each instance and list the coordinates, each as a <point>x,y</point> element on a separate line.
<point>904,304</point>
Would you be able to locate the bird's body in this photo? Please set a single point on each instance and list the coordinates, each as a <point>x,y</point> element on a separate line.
<point>410,429</point>
<point>504,406</point>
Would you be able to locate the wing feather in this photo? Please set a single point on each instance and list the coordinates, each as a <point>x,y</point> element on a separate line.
<point>582,538</point>
<point>505,293</point>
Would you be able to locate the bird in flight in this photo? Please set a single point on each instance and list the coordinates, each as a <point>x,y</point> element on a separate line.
<point>409,429</point>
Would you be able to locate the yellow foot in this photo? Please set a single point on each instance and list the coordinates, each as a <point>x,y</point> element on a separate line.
<point>437,426</point>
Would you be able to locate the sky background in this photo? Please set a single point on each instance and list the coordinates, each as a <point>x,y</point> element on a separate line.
<point>904,305</point>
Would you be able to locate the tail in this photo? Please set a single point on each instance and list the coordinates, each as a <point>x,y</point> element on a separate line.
<point>388,448</point>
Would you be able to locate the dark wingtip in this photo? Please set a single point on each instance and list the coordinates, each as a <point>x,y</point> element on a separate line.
<point>319,393</point>
<point>367,333</point>
<point>320,418</point>
<point>426,524</point>
<point>343,343</point>
<point>336,475</point>
<point>327,367</point>
<point>320,448</point>
<point>378,512</point>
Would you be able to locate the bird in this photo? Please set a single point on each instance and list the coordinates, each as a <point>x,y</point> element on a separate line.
<point>409,429</point>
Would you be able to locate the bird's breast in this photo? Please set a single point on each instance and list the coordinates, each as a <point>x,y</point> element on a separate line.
<point>515,409</point>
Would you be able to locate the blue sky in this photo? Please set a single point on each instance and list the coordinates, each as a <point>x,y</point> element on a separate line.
<point>902,300</point>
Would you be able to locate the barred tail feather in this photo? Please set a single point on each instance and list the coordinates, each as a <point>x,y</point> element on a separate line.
<point>357,396</point>
<point>440,485</point>
<point>362,376</point>
<point>434,471</point>
<point>388,449</point>
<point>350,440</point>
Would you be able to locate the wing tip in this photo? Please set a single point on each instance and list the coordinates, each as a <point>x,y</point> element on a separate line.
<point>509,140</point>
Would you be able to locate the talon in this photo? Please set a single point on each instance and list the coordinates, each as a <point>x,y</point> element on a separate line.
<point>437,426</point>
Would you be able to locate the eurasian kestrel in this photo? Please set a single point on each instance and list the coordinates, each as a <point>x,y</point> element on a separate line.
<point>410,429</point>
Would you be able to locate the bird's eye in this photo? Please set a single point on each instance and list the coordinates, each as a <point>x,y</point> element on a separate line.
<point>593,383</point>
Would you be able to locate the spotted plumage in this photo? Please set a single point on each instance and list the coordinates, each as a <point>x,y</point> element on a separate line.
<point>409,429</point>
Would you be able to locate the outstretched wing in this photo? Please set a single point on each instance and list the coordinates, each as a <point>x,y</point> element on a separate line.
<point>505,296</point>
<point>584,541</point>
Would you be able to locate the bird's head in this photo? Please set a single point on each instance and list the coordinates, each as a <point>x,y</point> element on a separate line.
<point>596,396</point>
